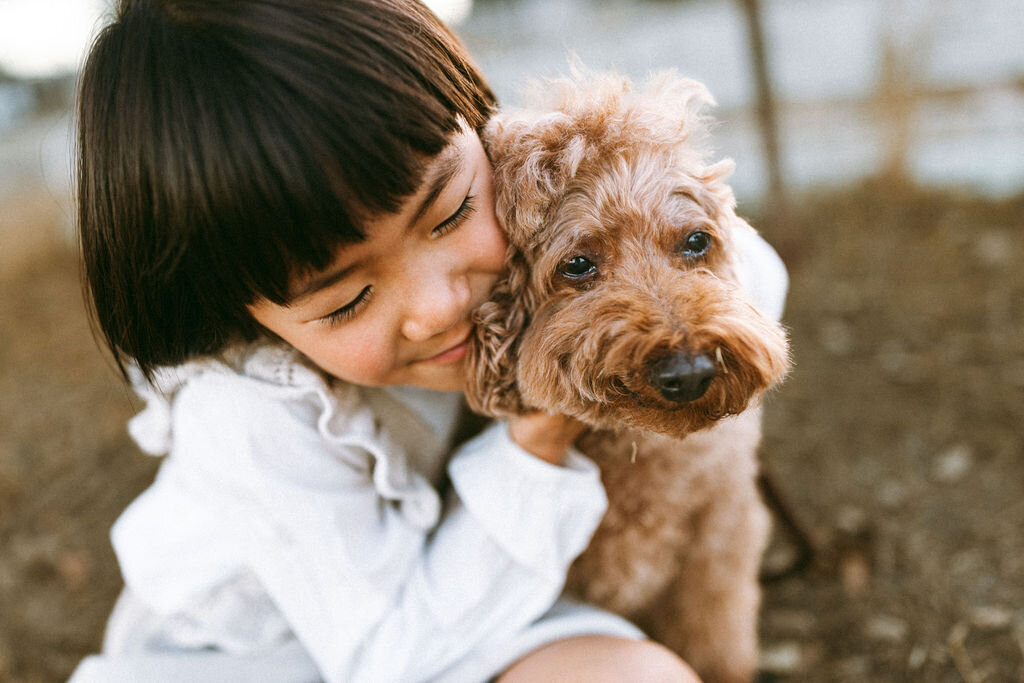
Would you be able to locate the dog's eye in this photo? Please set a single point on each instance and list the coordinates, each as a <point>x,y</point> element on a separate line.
<point>697,244</point>
<point>577,267</point>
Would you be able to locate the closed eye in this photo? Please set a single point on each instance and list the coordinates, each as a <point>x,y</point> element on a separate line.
<point>347,311</point>
<point>462,213</point>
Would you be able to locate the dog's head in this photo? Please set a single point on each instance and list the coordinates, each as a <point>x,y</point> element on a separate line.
<point>621,304</point>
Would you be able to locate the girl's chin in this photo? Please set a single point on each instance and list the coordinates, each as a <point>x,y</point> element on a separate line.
<point>447,378</point>
<point>451,384</point>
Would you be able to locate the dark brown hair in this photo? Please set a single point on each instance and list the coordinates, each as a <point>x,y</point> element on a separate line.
<point>225,146</point>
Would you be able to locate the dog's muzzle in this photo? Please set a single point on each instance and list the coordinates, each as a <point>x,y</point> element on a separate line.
<point>682,378</point>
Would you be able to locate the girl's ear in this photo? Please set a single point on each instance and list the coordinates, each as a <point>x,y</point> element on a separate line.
<point>492,387</point>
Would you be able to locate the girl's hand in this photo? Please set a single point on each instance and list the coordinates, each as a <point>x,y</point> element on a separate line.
<point>546,436</point>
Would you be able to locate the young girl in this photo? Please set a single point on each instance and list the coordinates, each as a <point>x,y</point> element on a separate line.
<point>286,219</point>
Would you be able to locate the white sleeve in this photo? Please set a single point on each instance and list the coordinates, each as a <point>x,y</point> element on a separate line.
<point>761,271</point>
<point>371,596</point>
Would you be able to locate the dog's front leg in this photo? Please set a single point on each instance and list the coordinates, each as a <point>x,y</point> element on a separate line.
<point>631,559</point>
<point>709,614</point>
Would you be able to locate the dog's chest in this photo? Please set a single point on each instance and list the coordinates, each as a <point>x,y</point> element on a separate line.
<point>657,488</point>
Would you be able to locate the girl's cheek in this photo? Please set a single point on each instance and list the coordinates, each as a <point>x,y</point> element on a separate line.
<point>360,358</point>
<point>492,242</point>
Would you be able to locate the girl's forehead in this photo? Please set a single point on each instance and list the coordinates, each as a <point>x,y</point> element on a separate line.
<point>463,152</point>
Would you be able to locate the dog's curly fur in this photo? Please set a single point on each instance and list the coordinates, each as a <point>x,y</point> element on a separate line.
<point>601,189</point>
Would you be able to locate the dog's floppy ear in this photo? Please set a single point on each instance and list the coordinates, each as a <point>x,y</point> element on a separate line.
<point>533,165</point>
<point>534,155</point>
<point>492,384</point>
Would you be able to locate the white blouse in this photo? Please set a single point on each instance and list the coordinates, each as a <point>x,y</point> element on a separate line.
<point>288,507</point>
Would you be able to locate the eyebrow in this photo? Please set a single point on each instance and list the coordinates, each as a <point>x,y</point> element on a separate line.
<point>322,281</point>
<point>446,167</point>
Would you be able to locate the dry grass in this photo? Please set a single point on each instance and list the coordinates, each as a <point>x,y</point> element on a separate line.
<point>66,466</point>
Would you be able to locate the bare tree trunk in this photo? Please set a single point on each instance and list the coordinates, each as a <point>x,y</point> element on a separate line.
<point>895,107</point>
<point>906,40</point>
<point>775,202</point>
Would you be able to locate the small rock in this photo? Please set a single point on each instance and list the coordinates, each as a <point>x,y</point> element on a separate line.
<point>958,634</point>
<point>836,337</point>
<point>892,357</point>
<point>891,494</point>
<point>901,365</point>
<point>74,568</point>
<point>796,622</point>
<point>994,248</point>
<point>851,519</point>
<point>854,572</point>
<point>783,658</point>
<point>854,667</point>
<point>953,464</point>
<point>991,617</point>
<point>918,656</point>
<point>778,559</point>
<point>966,562</point>
<point>887,628</point>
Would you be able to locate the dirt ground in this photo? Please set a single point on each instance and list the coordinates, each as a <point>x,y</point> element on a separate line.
<point>898,442</point>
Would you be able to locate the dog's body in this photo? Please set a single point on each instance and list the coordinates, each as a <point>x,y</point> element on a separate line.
<point>679,548</point>
<point>624,307</point>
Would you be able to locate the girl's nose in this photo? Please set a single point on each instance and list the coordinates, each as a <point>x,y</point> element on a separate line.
<point>437,307</point>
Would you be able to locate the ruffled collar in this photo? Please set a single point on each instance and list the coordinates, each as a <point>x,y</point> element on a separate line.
<point>278,367</point>
<point>390,424</point>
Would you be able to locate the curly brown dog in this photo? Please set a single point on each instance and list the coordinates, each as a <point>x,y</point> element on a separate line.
<point>623,307</point>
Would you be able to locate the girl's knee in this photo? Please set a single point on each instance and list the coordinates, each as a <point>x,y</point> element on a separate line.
<point>654,663</point>
<point>602,659</point>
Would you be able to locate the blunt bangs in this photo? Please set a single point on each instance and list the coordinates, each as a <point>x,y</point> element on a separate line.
<point>226,146</point>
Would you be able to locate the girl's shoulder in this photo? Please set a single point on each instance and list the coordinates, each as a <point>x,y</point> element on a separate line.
<point>264,417</point>
<point>233,389</point>
<point>268,367</point>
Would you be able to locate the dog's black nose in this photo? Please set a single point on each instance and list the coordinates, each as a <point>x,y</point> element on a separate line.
<point>682,377</point>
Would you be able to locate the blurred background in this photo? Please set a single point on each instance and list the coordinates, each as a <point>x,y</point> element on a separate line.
<point>879,145</point>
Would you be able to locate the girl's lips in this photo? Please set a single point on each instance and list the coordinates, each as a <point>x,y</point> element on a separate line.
<point>453,354</point>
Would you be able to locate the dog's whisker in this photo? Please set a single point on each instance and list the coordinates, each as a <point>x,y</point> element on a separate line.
<point>721,361</point>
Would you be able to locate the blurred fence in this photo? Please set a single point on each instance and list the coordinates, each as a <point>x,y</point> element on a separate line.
<point>933,89</point>
<point>930,89</point>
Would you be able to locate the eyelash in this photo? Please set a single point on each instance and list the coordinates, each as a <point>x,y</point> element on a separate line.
<point>464,211</point>
<point>350,309</point>
<point>449,224</point>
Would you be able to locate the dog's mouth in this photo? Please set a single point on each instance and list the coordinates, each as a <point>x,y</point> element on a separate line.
<point>683,380</point>
<point>668,378</point>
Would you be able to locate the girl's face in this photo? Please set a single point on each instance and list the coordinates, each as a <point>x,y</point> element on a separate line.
<point>395,308</point>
